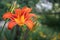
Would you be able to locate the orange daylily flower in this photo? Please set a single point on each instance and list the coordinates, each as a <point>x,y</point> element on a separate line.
<point>21,17</point>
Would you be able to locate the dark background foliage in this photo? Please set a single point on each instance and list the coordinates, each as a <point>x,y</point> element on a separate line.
<point>48,23</point>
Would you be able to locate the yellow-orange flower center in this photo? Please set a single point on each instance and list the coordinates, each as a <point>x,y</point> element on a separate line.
<point>20,20</point>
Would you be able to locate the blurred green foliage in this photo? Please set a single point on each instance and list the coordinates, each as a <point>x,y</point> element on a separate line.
<point>46,28</point>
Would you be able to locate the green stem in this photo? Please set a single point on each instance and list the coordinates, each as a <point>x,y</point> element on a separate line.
<point>5,23</point>
<point>3,29</point>
<point>25,35</point>
<point>18,32</point>
<point>13,6</point>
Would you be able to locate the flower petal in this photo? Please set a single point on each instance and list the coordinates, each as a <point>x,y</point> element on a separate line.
<point>11,24</point>
<point>17,12</point>
<point>29,16</point>
<point>32,15</point>
<point>29,24</point>
<point>7,15</point>
<point>25,9</point>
